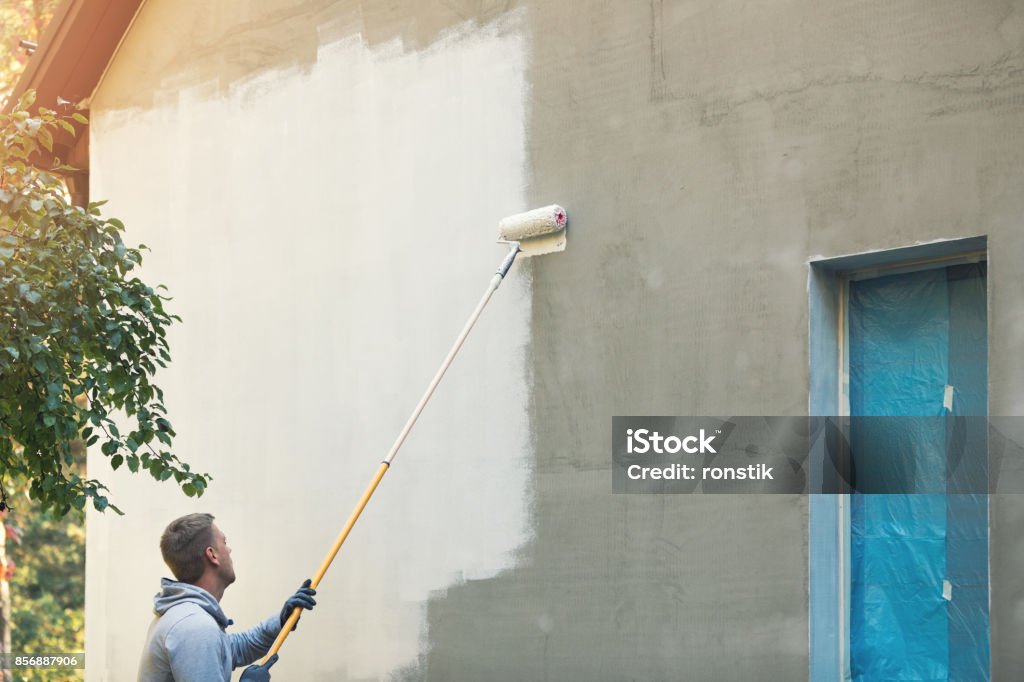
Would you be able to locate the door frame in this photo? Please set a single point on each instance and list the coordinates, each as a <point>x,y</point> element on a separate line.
<point>828,395</point>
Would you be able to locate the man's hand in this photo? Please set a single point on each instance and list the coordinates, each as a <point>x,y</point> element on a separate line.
<point>258,673</point>
<point>303,597</point>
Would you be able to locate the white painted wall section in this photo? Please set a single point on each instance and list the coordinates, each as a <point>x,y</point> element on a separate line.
<point>325,233</point>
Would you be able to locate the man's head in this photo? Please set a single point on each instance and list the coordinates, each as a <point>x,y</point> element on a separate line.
<point>197,552</point>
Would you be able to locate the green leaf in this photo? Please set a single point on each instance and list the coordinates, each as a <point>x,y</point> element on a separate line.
<point>100,503</point>
<point>83,120</point>
<point>46,138</point>
<point>116,461</point>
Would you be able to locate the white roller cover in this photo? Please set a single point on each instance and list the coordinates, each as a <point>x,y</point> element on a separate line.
<point>532,224</point>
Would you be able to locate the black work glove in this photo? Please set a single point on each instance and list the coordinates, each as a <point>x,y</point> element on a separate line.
<point>303,597</point>
<point>258,673</point>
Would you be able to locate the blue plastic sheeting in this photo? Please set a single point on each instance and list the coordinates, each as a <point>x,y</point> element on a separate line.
<point>967,515</point>
<point>919,573</point>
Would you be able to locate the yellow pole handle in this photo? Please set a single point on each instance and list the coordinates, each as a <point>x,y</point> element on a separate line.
<point>333,552</point>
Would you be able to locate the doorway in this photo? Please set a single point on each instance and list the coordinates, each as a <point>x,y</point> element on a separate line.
<point>918,605</point>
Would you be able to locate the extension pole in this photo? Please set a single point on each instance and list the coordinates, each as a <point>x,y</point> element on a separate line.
<point>386,463</point>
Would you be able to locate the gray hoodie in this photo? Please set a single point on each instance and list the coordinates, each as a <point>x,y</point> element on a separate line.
<point>187,641</point>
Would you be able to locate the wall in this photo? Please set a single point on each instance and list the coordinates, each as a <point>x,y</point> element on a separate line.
<point>295,159</point>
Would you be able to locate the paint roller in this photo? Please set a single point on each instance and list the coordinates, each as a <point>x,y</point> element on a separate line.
<point>537,232</point>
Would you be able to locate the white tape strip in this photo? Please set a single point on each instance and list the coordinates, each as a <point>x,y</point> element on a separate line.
<point>947,400</point>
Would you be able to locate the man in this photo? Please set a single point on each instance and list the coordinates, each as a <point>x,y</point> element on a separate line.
<point>187,642</point>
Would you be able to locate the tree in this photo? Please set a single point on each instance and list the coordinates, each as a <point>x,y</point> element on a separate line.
<point>61,609</point>
<point>81,336</point>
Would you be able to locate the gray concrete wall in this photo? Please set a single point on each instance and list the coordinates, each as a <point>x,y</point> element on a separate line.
<point>705,151</point>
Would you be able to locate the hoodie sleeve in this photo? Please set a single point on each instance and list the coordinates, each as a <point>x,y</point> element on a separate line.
<point>248,645</point>
<point>196,651</point>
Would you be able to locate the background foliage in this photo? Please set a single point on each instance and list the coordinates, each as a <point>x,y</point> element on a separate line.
<point>20,20</point>
<point>44,560</point>
<point>47,585</point>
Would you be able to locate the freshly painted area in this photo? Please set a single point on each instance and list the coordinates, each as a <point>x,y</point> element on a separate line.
<point>325,235</point>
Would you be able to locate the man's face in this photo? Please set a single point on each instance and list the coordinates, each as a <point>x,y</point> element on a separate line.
<point>226,569</point>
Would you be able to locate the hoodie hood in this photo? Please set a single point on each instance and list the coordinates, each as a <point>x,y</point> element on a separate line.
<point>173,593</point>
